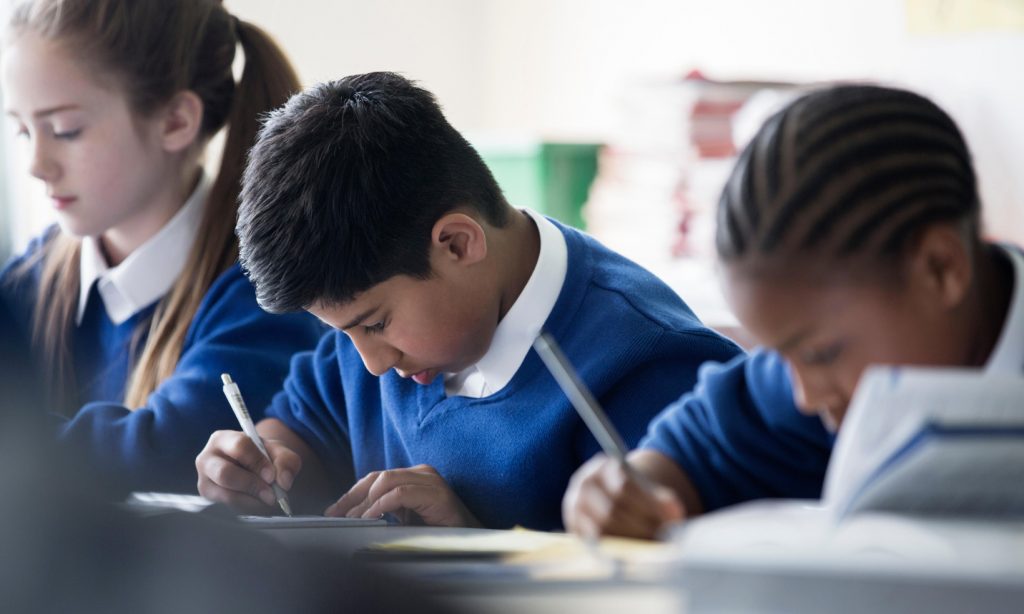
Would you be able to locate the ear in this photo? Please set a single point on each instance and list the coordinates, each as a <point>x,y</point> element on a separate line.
<point>942,266</point>
<point>181,120</point>
<point>459,239</point>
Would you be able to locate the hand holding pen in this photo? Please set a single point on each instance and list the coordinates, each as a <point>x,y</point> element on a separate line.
<point>241,469</point>
<point>607,495</point>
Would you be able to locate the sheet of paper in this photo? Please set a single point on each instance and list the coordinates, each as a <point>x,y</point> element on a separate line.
<point>267,522</point>
<point>153,502</point>
<point>493,543</point>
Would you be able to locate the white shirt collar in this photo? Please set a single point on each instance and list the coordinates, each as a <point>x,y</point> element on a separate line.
<point>1008,355</point>
<point>514,335</point>
<point>148,272</point>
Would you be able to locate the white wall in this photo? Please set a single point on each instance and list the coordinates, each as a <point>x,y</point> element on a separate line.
<point>552,68</point>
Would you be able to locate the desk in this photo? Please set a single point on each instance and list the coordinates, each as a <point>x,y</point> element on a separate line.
<point>752,585</point>
<point>489,585</point>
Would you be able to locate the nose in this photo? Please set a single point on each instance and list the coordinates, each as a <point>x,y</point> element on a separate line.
<point>813,394</point>
<point>377,357</point>
<point>42,164</point>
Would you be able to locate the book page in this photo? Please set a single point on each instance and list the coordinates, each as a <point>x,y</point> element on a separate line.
<point>893,405</point>
<point>951,473</point>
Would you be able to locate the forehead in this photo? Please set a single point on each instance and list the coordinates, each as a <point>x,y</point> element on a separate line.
<point>775,307</point>
<point>41,74</point>
<point>398,290</point>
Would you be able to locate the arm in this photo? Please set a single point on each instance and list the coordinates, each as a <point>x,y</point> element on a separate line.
<point>740,437</point>
<point>737,437</point>
<point>153,447</point>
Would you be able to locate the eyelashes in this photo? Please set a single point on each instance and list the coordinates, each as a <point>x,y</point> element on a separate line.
<point>375,329</point>
<point>68,135</point>
<point>822,357</point>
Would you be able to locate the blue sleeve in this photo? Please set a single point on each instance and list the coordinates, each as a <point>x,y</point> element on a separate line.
<point>154,447</point>
<point>641,393</point>
<point>739,436</point>
<point>313,404</point>
<point>19,280</point>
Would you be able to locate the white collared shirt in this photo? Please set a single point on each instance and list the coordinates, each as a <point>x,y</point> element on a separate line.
<point>148,272</point>
<point>514,335</point>
<point>1008,355</point>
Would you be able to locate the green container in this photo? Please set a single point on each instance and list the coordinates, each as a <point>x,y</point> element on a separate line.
<point>552,178</point>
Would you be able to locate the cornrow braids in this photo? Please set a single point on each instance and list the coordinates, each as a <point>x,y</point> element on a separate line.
<point>851,170</point>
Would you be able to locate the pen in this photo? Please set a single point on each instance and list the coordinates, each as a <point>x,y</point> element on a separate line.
<point>580,397</point>
<point>234,396</point>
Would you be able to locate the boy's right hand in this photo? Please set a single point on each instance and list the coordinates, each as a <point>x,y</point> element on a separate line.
<point>604,498</point>
<point>232,470</point>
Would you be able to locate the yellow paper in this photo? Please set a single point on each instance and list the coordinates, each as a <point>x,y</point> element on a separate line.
<point>958,16</point>
<point>516,541</point>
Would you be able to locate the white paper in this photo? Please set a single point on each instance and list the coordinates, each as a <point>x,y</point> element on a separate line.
<point>951,471</point>
<point>267,522</point>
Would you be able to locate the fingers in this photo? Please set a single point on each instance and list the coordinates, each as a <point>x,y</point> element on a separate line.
<point>354,496</point>
<point>414,497</point>
<point>366,491</point>
<point>287,463</point>
<point>604,498</point>
<point>571,516</point>
<point>418,489</point>
<point>232,470</point>
<point>670,507</point>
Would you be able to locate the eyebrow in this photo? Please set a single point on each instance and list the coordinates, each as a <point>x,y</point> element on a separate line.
<point>50,111</point>
<point>356,321</point>
<point>793,340</point>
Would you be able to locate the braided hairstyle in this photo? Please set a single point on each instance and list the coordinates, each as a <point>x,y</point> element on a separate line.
<point>848,173</point>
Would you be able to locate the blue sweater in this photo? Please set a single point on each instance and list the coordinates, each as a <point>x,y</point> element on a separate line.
<point>154,447</point>
<point>509,456</point>
<point>739,435</point>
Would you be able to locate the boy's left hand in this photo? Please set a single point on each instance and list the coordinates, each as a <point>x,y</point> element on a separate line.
<point>419,489</point>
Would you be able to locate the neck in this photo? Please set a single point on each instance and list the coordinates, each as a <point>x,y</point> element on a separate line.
<point>519,242</point>
<point>121,240</point>
<point>990,304</point>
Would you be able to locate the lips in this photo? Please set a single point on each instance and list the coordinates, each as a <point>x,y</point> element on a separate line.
<point>423,378</point>
<point>62,202</point>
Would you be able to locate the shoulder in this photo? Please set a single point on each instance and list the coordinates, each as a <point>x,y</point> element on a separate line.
<point>760,376</point>
<point>615,291</point>
<point>230,302</point>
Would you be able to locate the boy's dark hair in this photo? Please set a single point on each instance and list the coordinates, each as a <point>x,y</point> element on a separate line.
<point>343,188</point>
<point>852,170</point>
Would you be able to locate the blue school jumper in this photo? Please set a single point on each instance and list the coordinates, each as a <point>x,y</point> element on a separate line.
<point>509,456</point>
<point>739,436</point>
<point>154,447</point>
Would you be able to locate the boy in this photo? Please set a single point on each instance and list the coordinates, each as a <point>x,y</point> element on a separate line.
<point>362,205</point>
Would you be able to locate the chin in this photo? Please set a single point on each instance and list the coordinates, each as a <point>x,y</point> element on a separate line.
<point>77,227</point>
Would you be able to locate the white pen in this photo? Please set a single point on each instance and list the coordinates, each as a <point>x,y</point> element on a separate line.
<point>581,397</point>
<point>234,396</point>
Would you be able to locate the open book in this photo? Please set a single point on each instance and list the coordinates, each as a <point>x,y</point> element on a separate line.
<point>923,510</point>
<point>931,441</point>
